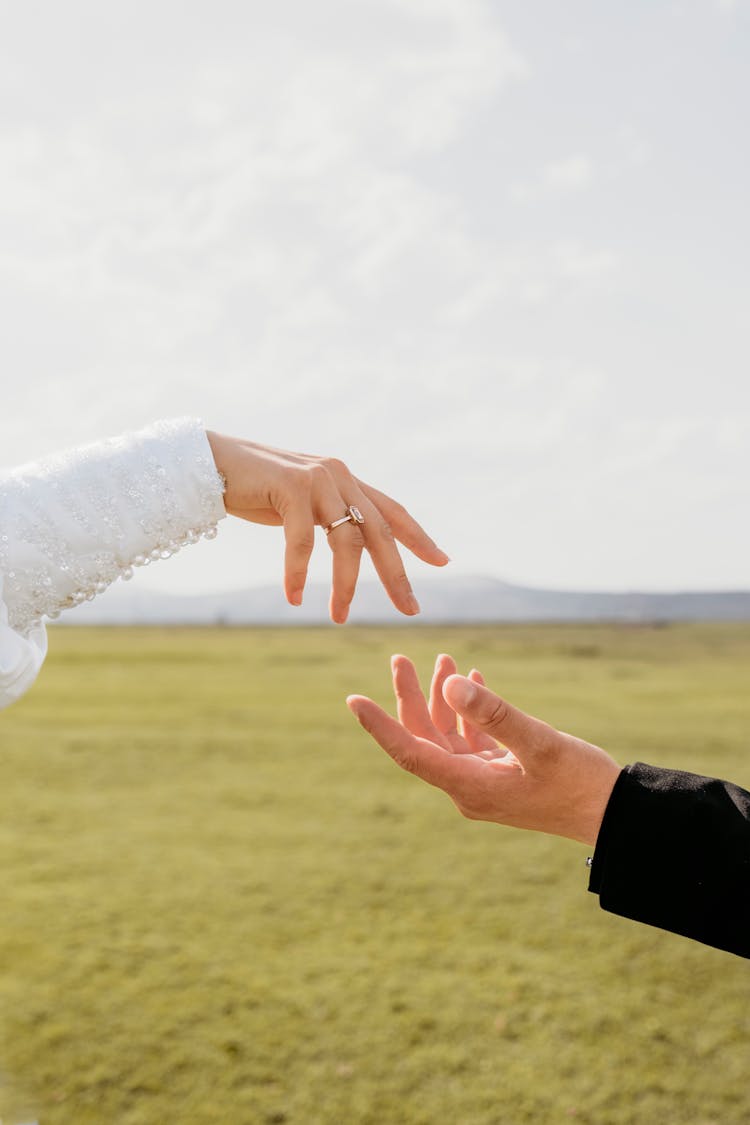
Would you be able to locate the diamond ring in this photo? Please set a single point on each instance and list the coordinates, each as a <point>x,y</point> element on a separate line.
<point>353,515</point>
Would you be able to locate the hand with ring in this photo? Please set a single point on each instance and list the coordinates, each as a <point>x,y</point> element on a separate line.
<point>299,491</point>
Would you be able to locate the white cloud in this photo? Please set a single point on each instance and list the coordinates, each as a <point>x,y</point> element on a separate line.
<point>295,221</point>
<point>531,275</point>
<point>164,204</point>
<point>570,174</point>
<point>566,176</point>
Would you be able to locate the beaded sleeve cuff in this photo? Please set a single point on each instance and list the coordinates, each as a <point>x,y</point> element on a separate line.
<point>74,523</point>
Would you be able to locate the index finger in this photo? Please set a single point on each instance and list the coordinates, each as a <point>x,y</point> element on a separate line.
<point>415,755</point>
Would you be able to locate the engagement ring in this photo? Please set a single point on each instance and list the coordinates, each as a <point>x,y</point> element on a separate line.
<point>353,515</point>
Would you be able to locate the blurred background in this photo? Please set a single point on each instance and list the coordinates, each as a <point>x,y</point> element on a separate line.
<point>494,255</point>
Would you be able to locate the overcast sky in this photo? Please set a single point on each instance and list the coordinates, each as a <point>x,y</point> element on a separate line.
<point>494,255</point>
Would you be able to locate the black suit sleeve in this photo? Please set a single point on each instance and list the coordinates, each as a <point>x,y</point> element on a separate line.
<point>674,851</point>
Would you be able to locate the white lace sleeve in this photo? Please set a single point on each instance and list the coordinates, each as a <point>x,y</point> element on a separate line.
<point>72,524</point>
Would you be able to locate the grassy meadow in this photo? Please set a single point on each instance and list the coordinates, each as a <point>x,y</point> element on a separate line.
<point>223,904</point>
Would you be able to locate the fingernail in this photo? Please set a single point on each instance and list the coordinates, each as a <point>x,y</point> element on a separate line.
<point>353,704</point>
<point>296,598</point>
<point>412,603</point>
<point>463,692</point>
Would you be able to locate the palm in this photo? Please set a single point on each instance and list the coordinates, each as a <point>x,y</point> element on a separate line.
<point>436,720</point>
<point>551,782</point>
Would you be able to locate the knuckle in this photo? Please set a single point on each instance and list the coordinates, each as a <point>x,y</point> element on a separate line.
<point>300,478</point>
<point>317,475</point>
<point>304,544</point>
<point>347,540</point>
<point>400,579</point>
<point>335,466</point>
<point>405,760</point>
<point>386,532</point>
<point>495,716</point>
<point>355,540</point>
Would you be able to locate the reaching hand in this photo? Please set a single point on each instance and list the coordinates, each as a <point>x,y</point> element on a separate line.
<point>494,761</point>
<point>271,486</point>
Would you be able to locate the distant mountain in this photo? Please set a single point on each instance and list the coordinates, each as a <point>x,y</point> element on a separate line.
<point>446,600</point>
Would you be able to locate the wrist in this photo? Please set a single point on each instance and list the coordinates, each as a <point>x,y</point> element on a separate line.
<point>593,815</point>
<point>216,442</point>
<point>219,453</point>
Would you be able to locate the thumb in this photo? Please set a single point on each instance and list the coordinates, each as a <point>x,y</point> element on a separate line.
<point>521,733</point>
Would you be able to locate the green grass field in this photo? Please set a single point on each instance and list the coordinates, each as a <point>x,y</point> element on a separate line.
<point>223,904</point>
